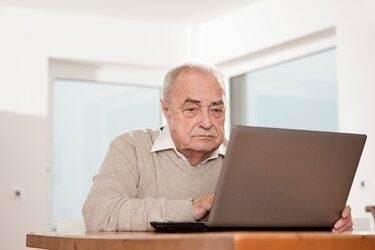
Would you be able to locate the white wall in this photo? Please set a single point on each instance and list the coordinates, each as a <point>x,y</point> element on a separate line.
<point>356,61</point>
<point>248,36</point>
<point>28,39</point>
<point>259,26</point>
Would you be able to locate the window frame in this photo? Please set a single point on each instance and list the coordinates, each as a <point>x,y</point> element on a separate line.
<point>95,72</point>
<point>269,56</point>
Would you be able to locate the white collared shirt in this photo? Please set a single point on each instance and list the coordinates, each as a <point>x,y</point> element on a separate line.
<point>164,141</point>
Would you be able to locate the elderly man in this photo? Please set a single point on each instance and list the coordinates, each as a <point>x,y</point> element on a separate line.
<point>168,174</point>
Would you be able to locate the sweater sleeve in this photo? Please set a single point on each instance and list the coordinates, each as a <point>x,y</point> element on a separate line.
<point>112,203</point>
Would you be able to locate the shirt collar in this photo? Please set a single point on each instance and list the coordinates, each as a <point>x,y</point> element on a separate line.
<point>164,142</point>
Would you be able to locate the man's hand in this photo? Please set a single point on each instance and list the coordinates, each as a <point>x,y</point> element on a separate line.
<point>345,224</point>
<point>202,206</point>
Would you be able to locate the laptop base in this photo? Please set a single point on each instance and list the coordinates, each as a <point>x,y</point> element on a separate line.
<point>196,227</point>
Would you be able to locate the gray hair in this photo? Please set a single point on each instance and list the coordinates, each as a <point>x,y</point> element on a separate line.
<point>171,76</point>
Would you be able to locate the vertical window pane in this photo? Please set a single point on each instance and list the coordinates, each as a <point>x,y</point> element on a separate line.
<point>87,117</point>
<point>298,94</point>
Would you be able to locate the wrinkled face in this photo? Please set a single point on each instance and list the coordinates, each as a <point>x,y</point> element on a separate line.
<point>195,112</point>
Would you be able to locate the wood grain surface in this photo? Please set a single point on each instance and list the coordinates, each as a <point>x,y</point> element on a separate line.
<point>211,241</point>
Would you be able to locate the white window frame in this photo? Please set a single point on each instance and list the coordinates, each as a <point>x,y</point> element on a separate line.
<point>95,72</point>
<point>277,54</point>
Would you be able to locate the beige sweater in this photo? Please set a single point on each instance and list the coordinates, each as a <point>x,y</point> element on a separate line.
<point>135,186</point>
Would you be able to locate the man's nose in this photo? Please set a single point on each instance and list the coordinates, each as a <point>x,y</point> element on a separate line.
<point>206,122</point>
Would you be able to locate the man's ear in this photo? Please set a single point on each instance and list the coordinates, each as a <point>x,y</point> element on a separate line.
<point>164,107</point>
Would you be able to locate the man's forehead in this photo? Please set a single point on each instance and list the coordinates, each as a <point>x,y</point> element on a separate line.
<point>196,87</point>
<point>203,96</point>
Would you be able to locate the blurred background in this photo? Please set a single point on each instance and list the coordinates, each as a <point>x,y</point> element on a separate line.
<point>76,73</point>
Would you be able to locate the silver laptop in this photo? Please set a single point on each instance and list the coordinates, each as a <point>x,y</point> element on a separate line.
<point>280,179</point>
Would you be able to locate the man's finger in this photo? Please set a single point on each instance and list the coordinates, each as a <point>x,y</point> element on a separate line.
<point>341,223</point>
<point>207,202</point>
<point>346,212</point>
<point>346,228</point>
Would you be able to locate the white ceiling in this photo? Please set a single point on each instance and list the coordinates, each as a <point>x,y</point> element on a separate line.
<point>182,11</point>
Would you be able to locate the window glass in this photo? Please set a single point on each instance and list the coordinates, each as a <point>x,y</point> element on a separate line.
<point>87,116</point>
<point>299,94</point>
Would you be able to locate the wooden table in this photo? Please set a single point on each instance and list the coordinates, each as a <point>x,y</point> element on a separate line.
<point>211,241</point>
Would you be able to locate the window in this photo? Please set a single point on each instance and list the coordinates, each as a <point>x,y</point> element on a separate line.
<point>87,116</point>
<point>299,94</point>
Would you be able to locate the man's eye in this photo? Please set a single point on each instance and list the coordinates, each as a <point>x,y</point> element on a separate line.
<point>190,112</point>
<point>217,110</point>
<point>191,109</point>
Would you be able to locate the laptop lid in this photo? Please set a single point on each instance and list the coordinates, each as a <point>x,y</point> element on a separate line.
<point>285,178</point>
